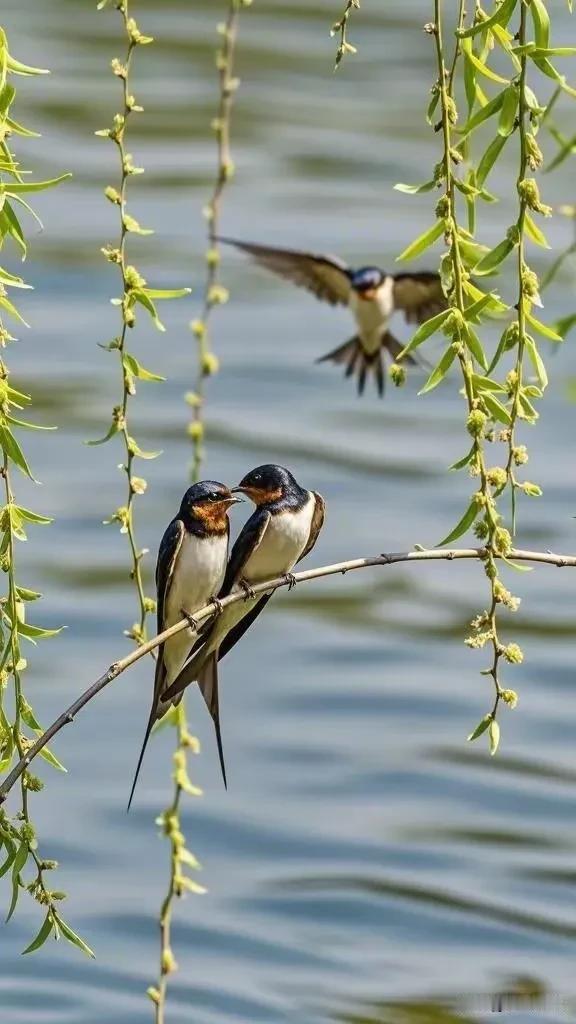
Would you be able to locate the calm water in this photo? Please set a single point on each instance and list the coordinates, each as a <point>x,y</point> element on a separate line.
<point>366,865</point>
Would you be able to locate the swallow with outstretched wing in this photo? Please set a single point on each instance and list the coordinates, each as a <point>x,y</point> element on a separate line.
<point>372,295</point>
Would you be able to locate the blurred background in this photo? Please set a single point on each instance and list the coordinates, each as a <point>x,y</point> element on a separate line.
<point>366,865</point>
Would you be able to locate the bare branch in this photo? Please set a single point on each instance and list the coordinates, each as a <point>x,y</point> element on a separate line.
<point>390,558</point>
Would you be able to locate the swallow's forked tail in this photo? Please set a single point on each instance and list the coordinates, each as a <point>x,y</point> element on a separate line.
<point>208,683</point>
<point>149,727</point>
<point>203,669</point>
<point>353,355</point>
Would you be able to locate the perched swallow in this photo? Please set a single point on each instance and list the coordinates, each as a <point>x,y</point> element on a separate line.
<point>371,294</point>
<point>281,531</point>
<point>189,573</point>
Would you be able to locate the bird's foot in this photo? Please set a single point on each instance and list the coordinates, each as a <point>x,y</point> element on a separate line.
<point>218,608</point>
<point>291,580</point>
<point>248,591</point>
<point>190,618</point>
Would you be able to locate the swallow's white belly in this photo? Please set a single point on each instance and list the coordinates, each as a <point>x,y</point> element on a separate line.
<point>372,315</point>
<point>284,541</point>
<point>198,576</point>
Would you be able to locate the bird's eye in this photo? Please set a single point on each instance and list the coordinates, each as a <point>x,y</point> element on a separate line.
<point>214,497</point>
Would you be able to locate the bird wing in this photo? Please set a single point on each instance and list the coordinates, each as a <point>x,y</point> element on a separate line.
<point>419,296</point>
<point>248,541</point>
<point>167,555</point>
<point>327,277</point>
<point>316,524</point>
<point>234,635</point>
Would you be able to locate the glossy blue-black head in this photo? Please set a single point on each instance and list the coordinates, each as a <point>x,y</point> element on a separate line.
<point>207,500</point>
<point>267,483</point>
<point>366,281</point>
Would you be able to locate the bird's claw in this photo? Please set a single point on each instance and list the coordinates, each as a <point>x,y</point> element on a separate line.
<point>218,608</point>
<point>248,591</point>
<point>291,580</point>
<point>190,618</point>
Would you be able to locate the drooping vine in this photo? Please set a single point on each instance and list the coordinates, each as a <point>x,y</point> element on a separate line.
<point>495,407</point>
<point>22,862</point>
<point>182,860</point>
<point>136,297</point>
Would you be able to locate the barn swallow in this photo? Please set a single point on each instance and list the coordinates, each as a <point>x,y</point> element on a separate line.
<point>283,528</point>
<point>189,573</point>
<point>371,294</point>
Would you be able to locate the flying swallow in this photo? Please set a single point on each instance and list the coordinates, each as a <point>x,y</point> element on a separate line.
<point>371,294</point>
<point>283,528</point>
<point>189,573</point>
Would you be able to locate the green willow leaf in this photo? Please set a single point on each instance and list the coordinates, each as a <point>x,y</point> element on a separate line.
<point>423,242</point>
<point>482,68</point>
<point>14,189</point>
<point>496,305</point>
<point>494,734</point>
<point>25,425</point>
<point>36,632</point>
<point>464,461</point>
<point>489,157</point>
<point>505,40</point>
<point>131,364</point>
<point>474,345</point>
<point>480,728</point>
<point>534,233</point>
<point>24,594</point>
<point>541,22</point>
<point>12,281</point>
<point>17,865</point>
<point>537,361</point>
<point>500,17</point>
<point>167,293</point>
<point>464,524</point>
<point>507,118</point>
<point>74,938</point>
<point>413,190</point>
<point>136,450</point>
<point>440,371</point>
<point>496,409</point>
<point>17,68</point>
<point>141,297</point>
<point>114,429</point>
<point>19,129</point>
<point>426,330</point>
<point>10,855</point>
<point>32,517</point>
<point>11,308</point>
<point>547,332</point>
<point>483,114</point>
<point>528,410</point>
<point>495,257</point>
<point>52,760</point>
<point>45,931</point>
<point>10,446</point>
<point>482,384</point>
<point>473,312</point>
<point>555,51</point>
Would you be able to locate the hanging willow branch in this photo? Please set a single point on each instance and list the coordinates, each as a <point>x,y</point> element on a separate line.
<point>181,858</point>
<point>306,576</point>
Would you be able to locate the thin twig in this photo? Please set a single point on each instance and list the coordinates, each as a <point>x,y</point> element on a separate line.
<point>116,669</point>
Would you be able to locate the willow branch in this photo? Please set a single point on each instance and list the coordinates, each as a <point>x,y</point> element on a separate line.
<point>213,608</point>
